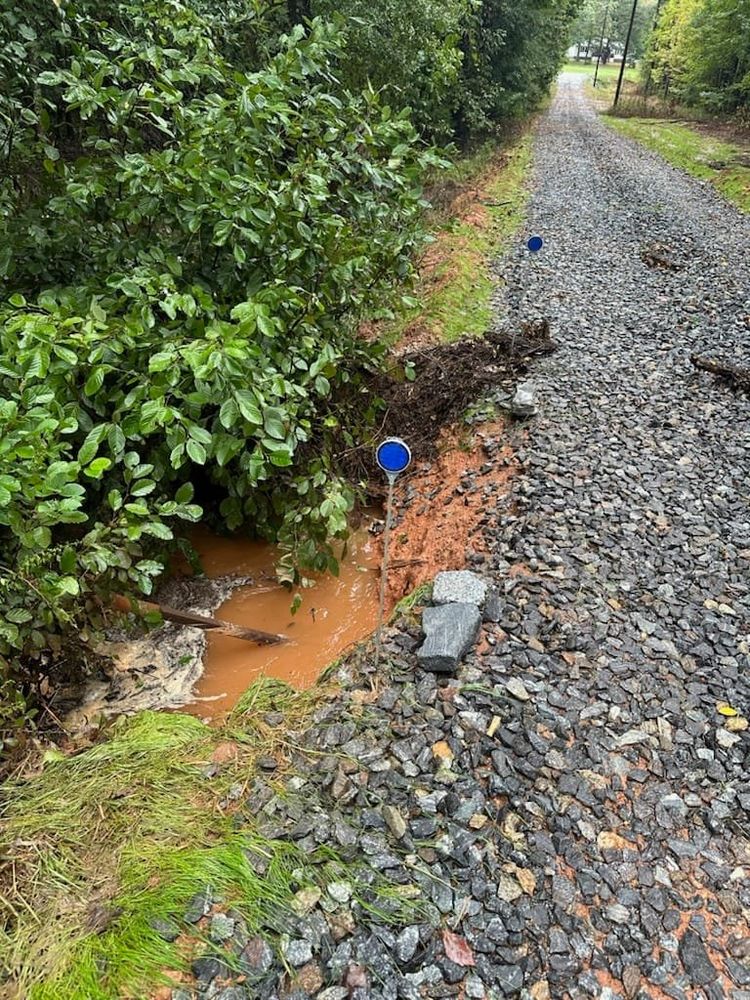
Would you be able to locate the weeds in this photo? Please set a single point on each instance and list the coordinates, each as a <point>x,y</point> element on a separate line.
<point>477,210</point>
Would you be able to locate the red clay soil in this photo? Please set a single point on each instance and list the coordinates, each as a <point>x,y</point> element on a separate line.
<point>452,202</point>
<point>440,508</point>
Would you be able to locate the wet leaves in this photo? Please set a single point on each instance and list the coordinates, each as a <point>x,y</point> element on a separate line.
<point>457,949</point>
<point>524,877</point>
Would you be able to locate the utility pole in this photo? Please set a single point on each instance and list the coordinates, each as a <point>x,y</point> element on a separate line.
<point>601,43</point>
<point>625,53</point>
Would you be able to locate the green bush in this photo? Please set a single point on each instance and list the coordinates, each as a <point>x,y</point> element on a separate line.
<point>199,205</point>
<point>188,270</point>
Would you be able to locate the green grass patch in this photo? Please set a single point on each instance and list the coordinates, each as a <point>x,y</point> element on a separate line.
<point>608,75</point>
<point>97,844</point>
<point>416,599</point>
<point>698,154</point>
<point>480,206</point>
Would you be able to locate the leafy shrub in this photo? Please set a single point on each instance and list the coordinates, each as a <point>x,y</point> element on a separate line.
<point>410,50</point>
<point>187,274</point>
<point>511,54</point>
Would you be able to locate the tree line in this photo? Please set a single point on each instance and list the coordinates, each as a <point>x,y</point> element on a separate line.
<point>199,204</point>
<point>601,27</point>
<point>699,53</point>
<point>696,52</point>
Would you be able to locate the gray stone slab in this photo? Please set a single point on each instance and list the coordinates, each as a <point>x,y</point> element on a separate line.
<point>523,403</point>
<point>459,587</point>
<point>450,632</point>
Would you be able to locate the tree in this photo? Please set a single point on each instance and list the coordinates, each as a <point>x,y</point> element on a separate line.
<point>511,54</point>
<point>699,51</point>
<point>612,16</point>
<point>409,50</point>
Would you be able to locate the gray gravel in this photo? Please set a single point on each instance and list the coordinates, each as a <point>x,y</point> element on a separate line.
<point>571,805</point>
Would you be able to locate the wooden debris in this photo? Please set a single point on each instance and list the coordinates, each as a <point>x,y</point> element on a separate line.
<point>121,603</point>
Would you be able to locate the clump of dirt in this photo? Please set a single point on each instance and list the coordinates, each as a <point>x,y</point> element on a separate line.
<point>660,257</point>
<point>736,375</point>
<point>448,379</point>
<point>442,507</point>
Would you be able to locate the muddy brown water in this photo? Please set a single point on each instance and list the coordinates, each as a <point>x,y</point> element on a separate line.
<point>336,612</point>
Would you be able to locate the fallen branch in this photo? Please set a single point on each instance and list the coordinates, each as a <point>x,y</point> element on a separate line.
<point>121,603</point>
<point>736,374</point>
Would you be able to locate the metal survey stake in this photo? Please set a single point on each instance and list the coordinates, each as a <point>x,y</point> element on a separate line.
<point>394,457</point>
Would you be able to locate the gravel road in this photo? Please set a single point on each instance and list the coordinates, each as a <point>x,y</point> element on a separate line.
<point>573,806</point>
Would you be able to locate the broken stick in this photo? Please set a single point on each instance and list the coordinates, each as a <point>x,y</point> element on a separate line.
<point>206,622</point>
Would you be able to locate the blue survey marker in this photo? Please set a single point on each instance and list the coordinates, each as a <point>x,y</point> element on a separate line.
<point>393,456</point>
<point>535,244</point>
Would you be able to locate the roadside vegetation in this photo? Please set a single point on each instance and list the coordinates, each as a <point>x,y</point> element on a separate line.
<point>699,55</point>
<point>201,211</point>
<point>477,207</point>
<point>104,849</point>
<point>199,208</point>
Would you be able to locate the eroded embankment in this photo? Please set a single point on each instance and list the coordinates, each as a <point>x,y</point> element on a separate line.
<point>441,506</point>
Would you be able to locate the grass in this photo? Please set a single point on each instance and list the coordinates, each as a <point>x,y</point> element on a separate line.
<point>479,207</point>
<point>698,154</point>
<point>607,74</point>
<point>416,599</point>
<point>94,845</point>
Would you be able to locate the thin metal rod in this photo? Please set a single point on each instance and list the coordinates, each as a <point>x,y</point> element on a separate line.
<point>384,568</point>
<point>625,53</point>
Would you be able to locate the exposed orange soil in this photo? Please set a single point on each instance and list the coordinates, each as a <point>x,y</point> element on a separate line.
<point>440,526</point>
<point>456,204</point>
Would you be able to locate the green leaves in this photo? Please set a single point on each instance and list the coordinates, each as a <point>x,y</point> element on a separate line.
<point>181,284</point>
<point>196,452</point>
<point>246,402</point>
<point>273,423</point>
<point>97,468</point>
<point>94,382</point>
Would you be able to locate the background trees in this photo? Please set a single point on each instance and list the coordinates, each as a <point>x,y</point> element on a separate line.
<point>699,53</point>
<point>612,17</point>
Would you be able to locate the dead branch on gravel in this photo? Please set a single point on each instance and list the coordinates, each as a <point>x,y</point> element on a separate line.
<point>736,375</point>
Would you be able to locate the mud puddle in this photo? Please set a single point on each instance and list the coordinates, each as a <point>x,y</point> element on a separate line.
<point>335,613</point>
<point>186,668</point>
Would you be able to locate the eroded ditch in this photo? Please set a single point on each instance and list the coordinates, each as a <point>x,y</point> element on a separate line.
<point>440,517</point>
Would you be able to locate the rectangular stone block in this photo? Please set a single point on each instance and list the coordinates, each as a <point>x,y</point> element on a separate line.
<point>450,632</point>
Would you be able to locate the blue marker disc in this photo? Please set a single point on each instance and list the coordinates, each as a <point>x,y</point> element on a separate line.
<point>393,456</point>
<point>535,244</point>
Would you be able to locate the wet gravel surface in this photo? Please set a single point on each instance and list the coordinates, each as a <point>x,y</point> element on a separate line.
<point>569,816</point>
